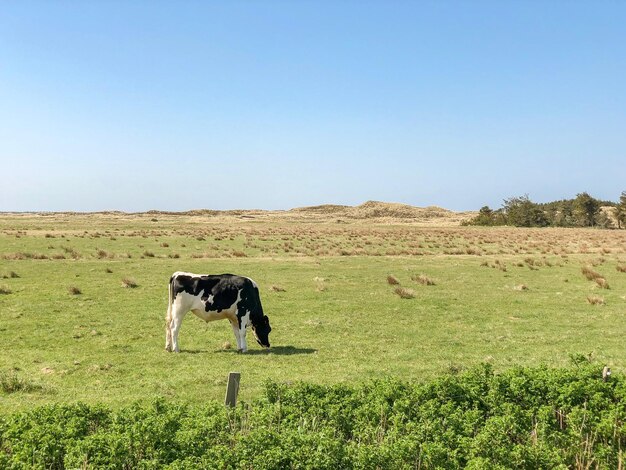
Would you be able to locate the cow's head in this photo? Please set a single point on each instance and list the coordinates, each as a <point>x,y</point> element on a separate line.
<point>262,331</point>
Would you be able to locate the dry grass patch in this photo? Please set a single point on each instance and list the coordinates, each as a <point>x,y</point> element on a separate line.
<point>320,285</point>
<point>595,300</point>
<point>392,280</point>
<point>100,367</point>
<point>621,268</point>
<point>277,289</point>
<point>423,279</point>
<point>404,293</point>
<point>14,256</point>
<point>11,275</point>
<point>101,254</point>
<point>129,283</point>
<point>500,265</point>
<point>71,252</point>
<point>590,274</point>
<point>73,290</point>
<point>520,287</point>
<point>4,290</point>
<point>10,382</point>
<point>602,283</point>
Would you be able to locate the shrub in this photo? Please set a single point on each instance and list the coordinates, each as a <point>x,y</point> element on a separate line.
<point>520,418</point>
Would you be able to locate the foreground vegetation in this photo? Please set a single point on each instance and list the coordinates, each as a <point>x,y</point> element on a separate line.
<point>531,418</point>
<point>83,301</point>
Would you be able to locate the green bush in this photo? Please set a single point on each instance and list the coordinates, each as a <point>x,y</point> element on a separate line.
<point>520,418</point>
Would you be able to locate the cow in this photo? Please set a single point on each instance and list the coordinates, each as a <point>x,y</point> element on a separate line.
<point>213,297</point>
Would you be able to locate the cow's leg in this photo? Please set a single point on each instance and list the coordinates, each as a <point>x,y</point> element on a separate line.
<point>168,329</point>
<point>244,317</point>
<point>176,320</point>
<point>235,324</point>
<point>243,347</point>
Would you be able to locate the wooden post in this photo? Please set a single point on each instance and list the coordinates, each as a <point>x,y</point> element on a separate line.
<point>232,389</point>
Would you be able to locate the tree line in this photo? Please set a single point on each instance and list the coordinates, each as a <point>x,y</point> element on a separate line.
<point>582,211</point>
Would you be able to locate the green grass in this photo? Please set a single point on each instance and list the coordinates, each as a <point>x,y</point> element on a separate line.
<point>107,343</point>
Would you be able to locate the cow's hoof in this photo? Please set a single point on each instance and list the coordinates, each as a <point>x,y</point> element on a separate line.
<point>242,350</point>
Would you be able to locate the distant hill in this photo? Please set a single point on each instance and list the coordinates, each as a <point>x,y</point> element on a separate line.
<point>386,211</point>
<point>370,211</point>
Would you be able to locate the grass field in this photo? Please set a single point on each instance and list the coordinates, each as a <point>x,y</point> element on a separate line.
<point>74,329</point>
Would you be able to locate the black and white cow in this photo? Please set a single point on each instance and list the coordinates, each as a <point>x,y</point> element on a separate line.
<point>213,297</point>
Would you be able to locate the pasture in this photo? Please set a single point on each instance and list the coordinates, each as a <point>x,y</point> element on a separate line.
<point>83,300</point>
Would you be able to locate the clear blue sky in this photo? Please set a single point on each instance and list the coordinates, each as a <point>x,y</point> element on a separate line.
<point>137,105</point>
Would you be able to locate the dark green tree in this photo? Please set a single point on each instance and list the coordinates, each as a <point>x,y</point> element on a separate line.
<point>559,213</point>
<point>620,212</point>
<point>586,209</point>
<point>522,212</point>
<point>485,216</point>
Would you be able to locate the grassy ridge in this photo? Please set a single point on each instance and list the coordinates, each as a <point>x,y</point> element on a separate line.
<point>524,418</point>
<point>504,296</point>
